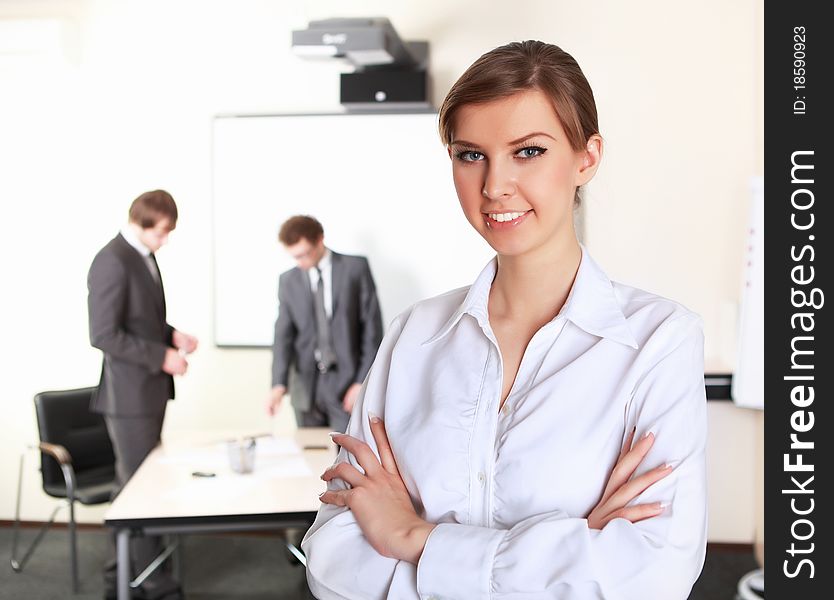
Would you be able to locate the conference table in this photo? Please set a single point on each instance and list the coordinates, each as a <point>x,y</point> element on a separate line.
<point>187,485</point>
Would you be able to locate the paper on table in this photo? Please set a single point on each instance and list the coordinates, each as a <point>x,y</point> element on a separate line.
<point>228,485</point>
<point>284,467</point>
<point>274,446</point>
<point>217,453</point>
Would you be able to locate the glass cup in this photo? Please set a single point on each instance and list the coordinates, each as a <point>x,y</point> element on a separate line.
<point>241,455</point>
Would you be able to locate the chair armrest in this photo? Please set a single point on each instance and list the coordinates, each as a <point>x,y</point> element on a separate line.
<point>56,451</point>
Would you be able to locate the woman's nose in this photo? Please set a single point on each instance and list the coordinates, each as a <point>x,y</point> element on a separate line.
<point>499,182</point>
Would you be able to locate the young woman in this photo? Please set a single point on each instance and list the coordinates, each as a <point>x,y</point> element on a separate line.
<point>539,434</point>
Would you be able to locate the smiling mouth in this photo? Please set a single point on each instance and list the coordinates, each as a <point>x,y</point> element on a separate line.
<point>508,218</point>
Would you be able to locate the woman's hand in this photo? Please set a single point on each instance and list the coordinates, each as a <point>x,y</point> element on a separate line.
<point>378,499</point>
<point>620,491</point>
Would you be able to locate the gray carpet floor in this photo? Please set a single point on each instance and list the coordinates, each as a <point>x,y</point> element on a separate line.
<point>242,567</point>
<point>215,567</point>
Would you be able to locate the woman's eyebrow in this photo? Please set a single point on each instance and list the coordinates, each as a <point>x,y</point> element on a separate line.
<point>531,135</point>
<point>512,143</point>
<point>463,143</point>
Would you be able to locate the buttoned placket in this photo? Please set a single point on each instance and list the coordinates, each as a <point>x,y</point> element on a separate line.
<point>492,423</point>
<point>481,455</point>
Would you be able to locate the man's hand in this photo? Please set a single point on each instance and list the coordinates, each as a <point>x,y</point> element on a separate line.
<point>174,363</point>
<point>185,342</point>
<point>273,401</point>
<point>350,396</point>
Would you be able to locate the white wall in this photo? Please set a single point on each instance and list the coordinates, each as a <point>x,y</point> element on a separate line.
<point>114,98</point>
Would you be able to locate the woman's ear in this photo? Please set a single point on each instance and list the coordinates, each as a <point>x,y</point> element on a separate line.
<point>591,157</point>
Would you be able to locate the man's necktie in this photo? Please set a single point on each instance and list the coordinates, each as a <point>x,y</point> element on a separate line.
<point>150,260</point>
<point>325,356</point>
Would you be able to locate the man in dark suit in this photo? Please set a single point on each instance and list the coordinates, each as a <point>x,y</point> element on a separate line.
<point>328,330</point>
<point>142,353</point>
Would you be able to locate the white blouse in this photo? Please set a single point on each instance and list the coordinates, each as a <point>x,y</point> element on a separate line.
<point>510,490</point>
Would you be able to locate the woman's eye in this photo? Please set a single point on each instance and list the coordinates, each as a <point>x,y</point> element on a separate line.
<point>531,152</point>
<point>470,156</point>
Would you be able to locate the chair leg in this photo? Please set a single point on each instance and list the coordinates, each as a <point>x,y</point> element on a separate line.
<point>17,565</point>
<point>73,547</point>
<point>69,478</point>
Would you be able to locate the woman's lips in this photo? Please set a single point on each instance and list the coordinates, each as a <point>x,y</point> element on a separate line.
<point>506,219</point>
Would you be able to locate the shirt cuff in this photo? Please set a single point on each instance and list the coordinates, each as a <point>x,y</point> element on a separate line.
<point>457,562</point>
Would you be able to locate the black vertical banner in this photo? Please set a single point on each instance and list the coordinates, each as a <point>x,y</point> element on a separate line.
<point>799,61</point>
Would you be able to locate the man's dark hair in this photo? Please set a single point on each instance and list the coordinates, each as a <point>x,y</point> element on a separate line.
<point>298,227</point>
<point>151,207</point>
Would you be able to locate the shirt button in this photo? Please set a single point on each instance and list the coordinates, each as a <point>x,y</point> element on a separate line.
<point>481,477</point>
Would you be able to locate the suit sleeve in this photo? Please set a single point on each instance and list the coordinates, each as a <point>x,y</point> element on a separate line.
<point>107,307</point>
<point>282,342</point>
<point>370,318</point>
<point>553,555</point>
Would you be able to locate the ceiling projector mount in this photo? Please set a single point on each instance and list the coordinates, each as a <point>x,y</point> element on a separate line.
<point>389,73</point>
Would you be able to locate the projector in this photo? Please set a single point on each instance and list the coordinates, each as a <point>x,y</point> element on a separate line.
<point>389,73</point>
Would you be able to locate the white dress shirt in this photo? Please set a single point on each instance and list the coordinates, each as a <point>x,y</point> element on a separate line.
<point>510,490</point>
<point>131,238</point>
<point>326,267</point>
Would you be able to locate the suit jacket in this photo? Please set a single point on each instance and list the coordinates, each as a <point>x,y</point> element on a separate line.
<point>355,326</point>
<point>127,323</point>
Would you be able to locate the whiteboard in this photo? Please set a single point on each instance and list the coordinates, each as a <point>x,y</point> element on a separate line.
<point>381,185</point>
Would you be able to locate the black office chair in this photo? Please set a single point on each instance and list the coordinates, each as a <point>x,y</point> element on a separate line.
<point>77,463</point>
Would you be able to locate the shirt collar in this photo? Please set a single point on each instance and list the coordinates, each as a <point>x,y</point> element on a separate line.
<point>591,304</point>
<point>131,238</point>
<point>323,265</point>
<point>326,260</point>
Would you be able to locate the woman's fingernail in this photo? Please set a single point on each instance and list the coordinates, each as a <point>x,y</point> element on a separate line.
<point>671,465</point>
<point>335,433</point>
<point>650,432</point>
<point>663,505</point>
<point>373,417</point>
<point>322,494</point>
